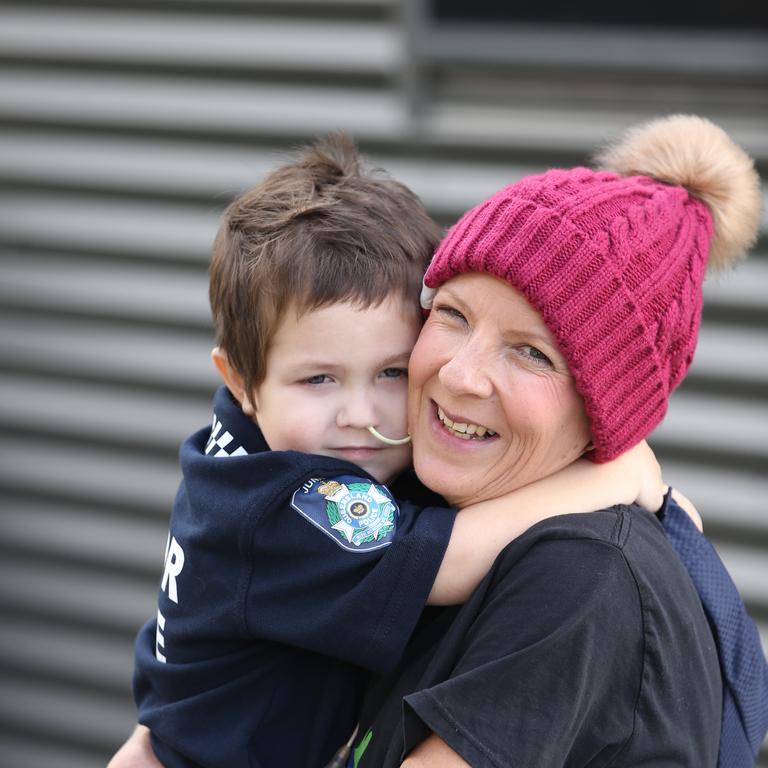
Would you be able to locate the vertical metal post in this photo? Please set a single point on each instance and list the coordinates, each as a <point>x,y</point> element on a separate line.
<point>415,24</point>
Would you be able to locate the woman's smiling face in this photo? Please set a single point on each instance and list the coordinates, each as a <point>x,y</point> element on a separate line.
<point>492,405</point>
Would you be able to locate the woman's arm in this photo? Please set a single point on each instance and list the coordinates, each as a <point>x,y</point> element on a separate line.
<point>433,752</point>
<point>482,530</point>
<point>136,752</point>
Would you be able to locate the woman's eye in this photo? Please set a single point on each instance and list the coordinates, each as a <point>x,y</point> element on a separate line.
<point>536,355</point>
<point>320,378</point>
<point>450,312</point>
<point>395,373</point>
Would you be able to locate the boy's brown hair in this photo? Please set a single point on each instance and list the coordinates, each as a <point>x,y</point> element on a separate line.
<point>316,231</point>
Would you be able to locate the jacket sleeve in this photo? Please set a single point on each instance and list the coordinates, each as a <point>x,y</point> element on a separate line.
<point>344,572</point>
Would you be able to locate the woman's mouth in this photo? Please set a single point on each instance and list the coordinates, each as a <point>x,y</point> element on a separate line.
<point>464,430</point>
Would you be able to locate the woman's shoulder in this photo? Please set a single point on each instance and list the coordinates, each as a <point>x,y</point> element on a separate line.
<point>627,528</point>
<point>618,560</point>
<point>621,549</point>
<point>607,530</point>
<point>587,548</point>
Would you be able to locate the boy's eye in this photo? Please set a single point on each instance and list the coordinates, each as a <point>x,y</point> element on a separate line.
<point>320,378</point>
<point>394,373</point>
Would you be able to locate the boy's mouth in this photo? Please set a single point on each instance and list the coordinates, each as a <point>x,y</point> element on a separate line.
<point>464,430</point>
<point>359,451</point>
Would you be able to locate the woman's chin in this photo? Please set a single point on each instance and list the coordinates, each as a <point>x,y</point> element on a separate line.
<point>440,479</point>
<point>449,463</point>
<point>455,478</point>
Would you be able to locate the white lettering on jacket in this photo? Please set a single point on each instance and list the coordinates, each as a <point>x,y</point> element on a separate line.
<point>174,562</point>
<point>307,487</point>
<point>159,639</point>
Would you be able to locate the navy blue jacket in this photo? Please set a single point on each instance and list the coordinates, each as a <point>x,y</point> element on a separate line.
<point>287,577</point>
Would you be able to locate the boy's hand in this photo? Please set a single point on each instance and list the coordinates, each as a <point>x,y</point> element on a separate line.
<point>687,505</point>
<point>137,752</point>
<point>641,463</point>
<point>643,472</point>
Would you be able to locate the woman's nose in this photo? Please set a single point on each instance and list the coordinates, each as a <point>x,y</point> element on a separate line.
<point>467,373</point>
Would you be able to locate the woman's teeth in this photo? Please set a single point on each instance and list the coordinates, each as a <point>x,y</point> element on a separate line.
<point>463,430</point>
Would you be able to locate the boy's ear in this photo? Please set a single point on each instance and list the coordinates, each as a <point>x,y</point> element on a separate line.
<point>233,380</point>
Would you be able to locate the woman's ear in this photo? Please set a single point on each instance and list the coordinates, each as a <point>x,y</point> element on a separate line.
<point>233,380</point>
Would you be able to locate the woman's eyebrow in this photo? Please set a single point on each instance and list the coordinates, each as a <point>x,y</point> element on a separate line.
<point>529,335</point>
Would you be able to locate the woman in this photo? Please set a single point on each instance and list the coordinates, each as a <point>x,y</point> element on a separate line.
<point>564,310</point>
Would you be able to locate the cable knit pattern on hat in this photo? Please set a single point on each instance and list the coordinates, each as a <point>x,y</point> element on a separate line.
<point>614,265</point>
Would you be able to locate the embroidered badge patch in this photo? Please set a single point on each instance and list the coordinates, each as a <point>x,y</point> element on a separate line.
<point>357,514</point>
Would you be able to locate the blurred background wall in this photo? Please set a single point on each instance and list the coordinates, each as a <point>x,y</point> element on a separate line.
<point>126,127</point>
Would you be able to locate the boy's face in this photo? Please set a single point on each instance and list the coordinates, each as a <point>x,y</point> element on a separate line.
<point>331,373</point>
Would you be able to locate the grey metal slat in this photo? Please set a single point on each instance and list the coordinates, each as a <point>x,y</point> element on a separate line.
<point>198,105</point>
<point>716,422</point>
<point>699,52</point>
<point>735,353</point>
<point>726,497</point>
<point>350,8</point>
<point>90,719</point>
<point>29,752</point>
<point>150,165</point>
<point>749,568</point>
<point>147,37</point>
<point>104,288</point>
<point>108,226</point>
<point>580,131</point>
<point>743,287</point>
<point>114,540</point>
<point>76,595</point>
<point>90,473</point>
<point>762,628</point>
<point>99,413</point>
<point>79,656</point>
<point>134,355</point>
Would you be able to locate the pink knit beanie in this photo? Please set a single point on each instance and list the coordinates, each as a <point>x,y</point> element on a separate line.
<point>614,261</point>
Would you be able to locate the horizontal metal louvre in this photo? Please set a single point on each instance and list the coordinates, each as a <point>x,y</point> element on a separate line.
<point>124,131</point>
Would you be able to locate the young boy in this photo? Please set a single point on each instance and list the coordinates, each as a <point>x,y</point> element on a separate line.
<point>291,570</point>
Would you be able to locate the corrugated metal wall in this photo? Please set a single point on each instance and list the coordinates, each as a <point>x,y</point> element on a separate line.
<point>124,129</point>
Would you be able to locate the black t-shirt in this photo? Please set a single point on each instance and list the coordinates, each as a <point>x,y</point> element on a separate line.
<point>586,645</point>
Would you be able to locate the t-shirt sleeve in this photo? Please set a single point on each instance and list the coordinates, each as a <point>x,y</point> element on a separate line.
<point>341,568</point>
<point>742,663</point>
<point>552,664</point>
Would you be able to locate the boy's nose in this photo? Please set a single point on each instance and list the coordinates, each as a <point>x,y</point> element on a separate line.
<point>358,411</point>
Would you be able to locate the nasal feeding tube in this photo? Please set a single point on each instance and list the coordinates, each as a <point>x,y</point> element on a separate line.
<point>389,440</point>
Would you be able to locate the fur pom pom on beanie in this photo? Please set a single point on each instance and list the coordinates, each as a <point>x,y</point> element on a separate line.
<point>614,261</point>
